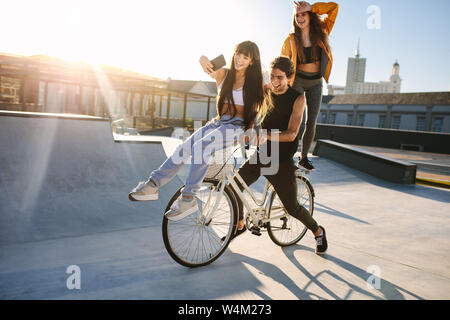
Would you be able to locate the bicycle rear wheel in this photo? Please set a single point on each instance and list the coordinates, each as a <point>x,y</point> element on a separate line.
<point>197,240</point>
<point>286,230</point>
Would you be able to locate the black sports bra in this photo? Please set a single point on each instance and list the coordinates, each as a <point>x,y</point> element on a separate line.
<point>308,58</point>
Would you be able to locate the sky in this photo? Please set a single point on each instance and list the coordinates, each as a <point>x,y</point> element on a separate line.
<point>166,38</point>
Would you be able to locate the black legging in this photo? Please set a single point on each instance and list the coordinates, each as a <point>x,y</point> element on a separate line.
<point>285,185</point>
<point>313,93</point>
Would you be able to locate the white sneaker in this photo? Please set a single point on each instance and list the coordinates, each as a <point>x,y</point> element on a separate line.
<point>180,209</point>
<point>144,192</point>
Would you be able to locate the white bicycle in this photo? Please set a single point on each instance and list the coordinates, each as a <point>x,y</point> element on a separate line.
<point>203,236</point>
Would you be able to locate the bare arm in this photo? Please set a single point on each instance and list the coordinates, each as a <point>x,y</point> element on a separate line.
<point>294,122</point>
<point>331,9</point>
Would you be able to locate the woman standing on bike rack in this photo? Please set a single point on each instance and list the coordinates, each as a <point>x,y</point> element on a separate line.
<point>240,98</point>
<point>308,48</point>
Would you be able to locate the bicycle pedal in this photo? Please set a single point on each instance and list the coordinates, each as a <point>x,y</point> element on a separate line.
<point>256,231</point>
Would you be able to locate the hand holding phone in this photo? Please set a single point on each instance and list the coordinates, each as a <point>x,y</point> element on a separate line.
<point>218,62</point>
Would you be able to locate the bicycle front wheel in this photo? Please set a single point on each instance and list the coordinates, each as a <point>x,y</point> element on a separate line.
<point>203,236</point>
<point>284,229</point>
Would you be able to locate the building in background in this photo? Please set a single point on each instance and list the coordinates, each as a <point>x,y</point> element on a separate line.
<point>335,90</point>
<point>355,81</point>
<point>356,71</point>
<point>44,84</point>
<point>393,85</point>
<point>426,111</point>
<point>200,107</point>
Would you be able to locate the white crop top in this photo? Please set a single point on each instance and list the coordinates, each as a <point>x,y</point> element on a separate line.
<point>238,96</point>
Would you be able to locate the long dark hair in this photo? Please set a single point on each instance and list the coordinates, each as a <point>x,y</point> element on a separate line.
<point>317,31</point>
<point>253,92</point>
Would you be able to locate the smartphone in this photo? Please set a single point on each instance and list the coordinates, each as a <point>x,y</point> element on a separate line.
<point>218,62</point>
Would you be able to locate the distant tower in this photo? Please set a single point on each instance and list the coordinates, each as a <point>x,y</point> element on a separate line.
<point>356,71</point>
<point>357,50</point>
<point>396,68</point>
<point>395,79</point>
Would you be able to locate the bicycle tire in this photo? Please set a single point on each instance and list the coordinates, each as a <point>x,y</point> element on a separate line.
<point>167,233</point>
<point>274,230</point>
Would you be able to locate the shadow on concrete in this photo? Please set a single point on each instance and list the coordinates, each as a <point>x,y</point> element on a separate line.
<point>389,290</point>
<point>272,271</point>
<point>153,276</point>
<point>328,210</point>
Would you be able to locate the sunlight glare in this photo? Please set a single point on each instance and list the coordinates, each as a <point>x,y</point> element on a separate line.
<point>158,38</point>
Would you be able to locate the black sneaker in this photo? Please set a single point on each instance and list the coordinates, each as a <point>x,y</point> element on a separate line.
<point>305,163</point>
<point>321,242</point>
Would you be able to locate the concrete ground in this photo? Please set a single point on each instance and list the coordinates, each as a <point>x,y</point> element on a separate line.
<point>402,233</point>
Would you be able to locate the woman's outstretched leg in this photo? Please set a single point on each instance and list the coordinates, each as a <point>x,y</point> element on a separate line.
<point>203,150</point>
<point>148,190</point>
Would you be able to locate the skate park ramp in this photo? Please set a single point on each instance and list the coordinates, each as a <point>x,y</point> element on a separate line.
<point>64,182</point>
<point>66,176</point>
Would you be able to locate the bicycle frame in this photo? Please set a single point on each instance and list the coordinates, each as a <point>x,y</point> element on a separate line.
<point>260,203</point>
<point>228,176</point>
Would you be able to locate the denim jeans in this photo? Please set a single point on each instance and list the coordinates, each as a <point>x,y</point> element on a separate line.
<point>214,136</point>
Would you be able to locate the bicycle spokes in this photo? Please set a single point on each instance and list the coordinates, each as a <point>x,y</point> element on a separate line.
<point>197,239</point>
<point>283,228</point>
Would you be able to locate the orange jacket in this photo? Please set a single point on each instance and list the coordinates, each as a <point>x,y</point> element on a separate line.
<point>289,48</point>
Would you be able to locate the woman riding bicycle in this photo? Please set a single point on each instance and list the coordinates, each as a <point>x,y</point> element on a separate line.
<point>240,99</point>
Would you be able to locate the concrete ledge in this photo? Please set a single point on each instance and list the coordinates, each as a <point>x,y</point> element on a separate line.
<point>434,167</point>
<point>69,116</point>
<point>436,142</point>
<point>379,166</point>
<point>169,144</point>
